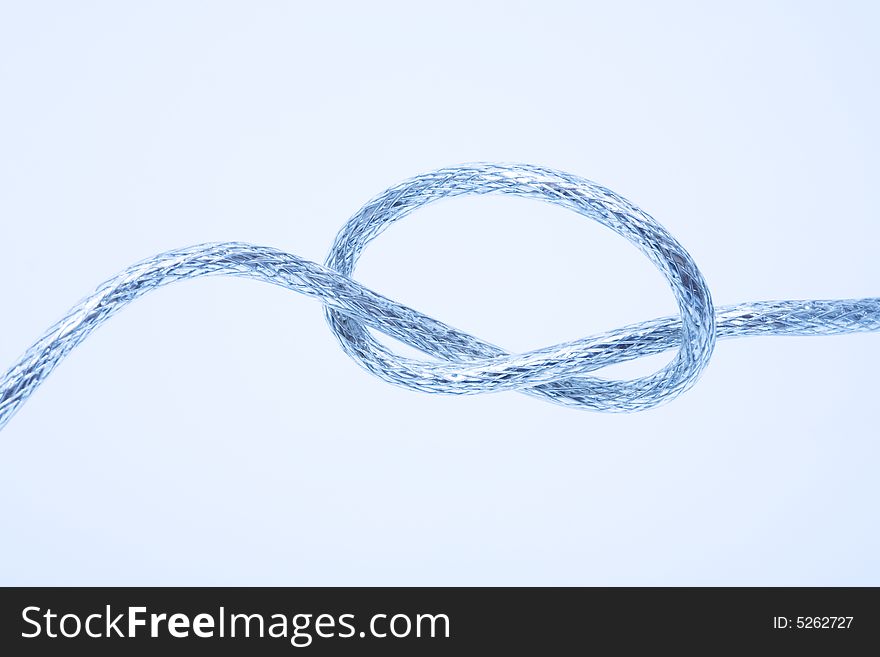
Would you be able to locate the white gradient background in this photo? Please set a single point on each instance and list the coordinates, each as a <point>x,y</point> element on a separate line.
<point>214,433</point>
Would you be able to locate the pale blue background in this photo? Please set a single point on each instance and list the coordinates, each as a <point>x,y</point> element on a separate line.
<point>213,433</point>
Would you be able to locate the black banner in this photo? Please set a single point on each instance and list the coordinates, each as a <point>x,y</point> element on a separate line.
<point>429,621</point>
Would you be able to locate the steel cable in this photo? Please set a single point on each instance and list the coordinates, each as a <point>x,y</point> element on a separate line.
<point>465,364</point>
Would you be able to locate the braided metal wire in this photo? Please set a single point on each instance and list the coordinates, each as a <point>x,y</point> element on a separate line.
<point>465,364</point>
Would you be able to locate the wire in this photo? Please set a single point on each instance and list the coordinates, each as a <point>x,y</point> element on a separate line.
<point>465,364</point>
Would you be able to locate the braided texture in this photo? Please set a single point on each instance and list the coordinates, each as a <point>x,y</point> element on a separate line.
<point>464,364</point>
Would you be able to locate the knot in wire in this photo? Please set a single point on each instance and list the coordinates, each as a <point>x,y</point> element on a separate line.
<point>468,365</point>
<point>465,364</point>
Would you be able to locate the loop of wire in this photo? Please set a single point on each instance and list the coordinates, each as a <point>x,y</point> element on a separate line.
<point>464,364</point>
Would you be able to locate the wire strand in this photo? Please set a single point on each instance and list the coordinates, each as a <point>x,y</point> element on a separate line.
<point>465,364</point>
